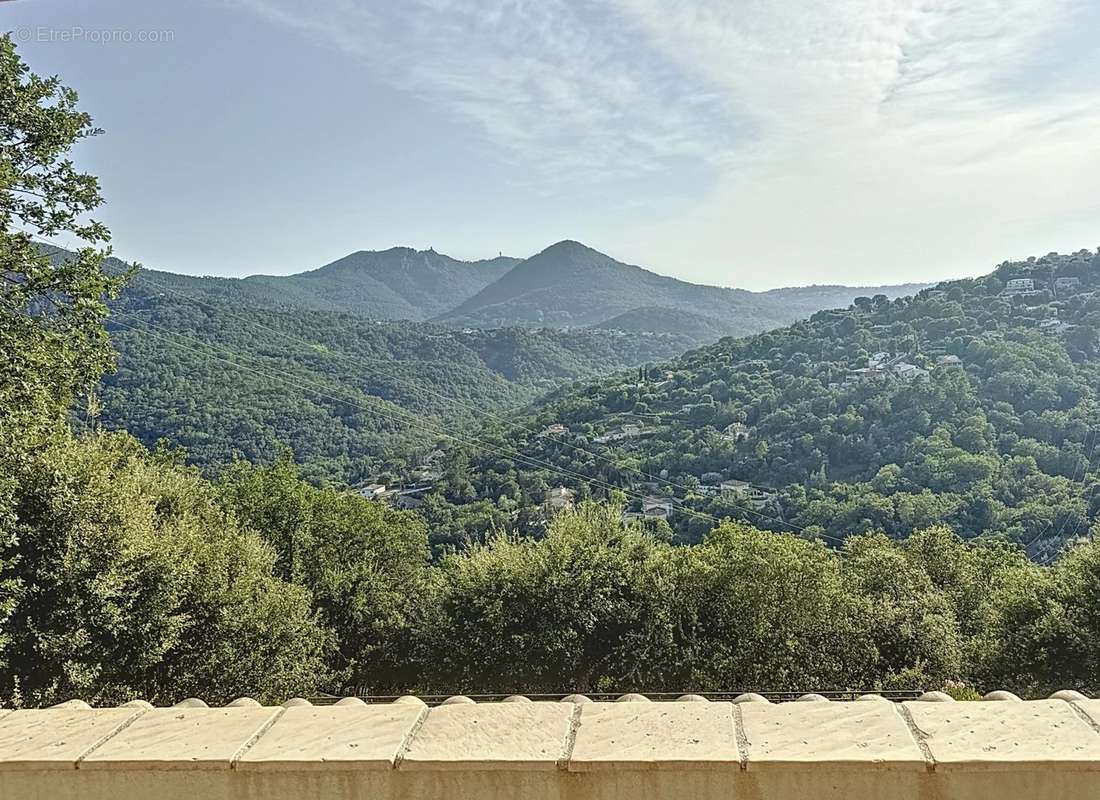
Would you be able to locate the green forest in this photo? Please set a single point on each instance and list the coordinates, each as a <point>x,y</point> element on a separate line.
<point>125,572</point>
<point>968,404</point>
<point>349,396</point>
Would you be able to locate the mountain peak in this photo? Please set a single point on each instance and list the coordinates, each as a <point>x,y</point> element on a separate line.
<point>569,247</point>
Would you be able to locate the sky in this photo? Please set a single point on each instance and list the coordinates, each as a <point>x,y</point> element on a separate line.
<point>752,143</point>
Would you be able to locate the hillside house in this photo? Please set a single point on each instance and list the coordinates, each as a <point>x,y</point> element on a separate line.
<point>407,502</point>
<point>1055,326</point>
<point>687,408</point>
<point>658,507</point>
<point>949,361</point>
<point>552,430</point>
<point>1019,286</point>
<point>426,475</point>
<point>864,374</point>
<point>558,499</point>
<point>736,432</point>
<point>372,491</point>
<point>745,492</point>
<point>1067,285</point>
<point>628,431</point>
<point>909,372</point>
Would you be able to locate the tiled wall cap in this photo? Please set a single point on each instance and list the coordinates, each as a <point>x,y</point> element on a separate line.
<point>576,699</point>
<point>138,704</point>
<point>72,704</point>
<point>1002,695</point>
<point>244,702</point>
<point>516,698</point>
<point>457,700</point>
<point>873,697</point>
<point>633,697</point>
<point>812,698</point>
<point>1069,695</point>
<point>295,702</point>
<point>692,698</point>
<point>751,697</point>
<point>936,697</point>
<point>349,701</point>
<point>191,702</point>
<point>410,698</point>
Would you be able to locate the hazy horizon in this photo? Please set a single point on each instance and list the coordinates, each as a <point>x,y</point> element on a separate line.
<point>731,144</point>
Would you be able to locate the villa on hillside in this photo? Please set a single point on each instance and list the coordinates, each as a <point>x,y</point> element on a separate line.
<point>658,507</point>
<point>744,491</point>
<point>558,499</point>
<point>372,491</point>
<point>868,374</point>
<point>736,432</point>
<point>1054,326</point>
<point>1066,285</point>
<point>910,372</point>
<point>949,361</point>
<point>552,430</point>
<point>1019,286</point>
<point>629,430</point>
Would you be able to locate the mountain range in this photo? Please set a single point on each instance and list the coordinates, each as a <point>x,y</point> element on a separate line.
<point>567,285</point>
<point>571,285</point>
<point>379,354</point>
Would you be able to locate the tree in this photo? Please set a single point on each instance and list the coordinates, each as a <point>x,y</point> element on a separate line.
<point>52,341</point>
<point>585,608</point>
<point>131,581</point>
<point>362,562</point>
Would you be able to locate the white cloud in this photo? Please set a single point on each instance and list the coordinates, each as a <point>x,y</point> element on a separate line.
<point>929,134</point>
<point>552,82</point>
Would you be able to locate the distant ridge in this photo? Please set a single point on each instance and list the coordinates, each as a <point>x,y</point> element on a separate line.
<point>569,284</point>
<point>399,283</point>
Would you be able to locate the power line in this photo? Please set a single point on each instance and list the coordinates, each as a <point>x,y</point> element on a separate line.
<point>1088,465</point>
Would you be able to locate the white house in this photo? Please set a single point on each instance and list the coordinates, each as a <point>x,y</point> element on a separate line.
<point>628,431</point>
<point>1019,286</point>
<point>910,372</point>
<point>735,432</point>
<point>745,491</point>
<point>1066,285</point>
<point>868,374</point>
<point>949,361</point>
<point>552,430</point>
<point>1054,326</point>
<point>658,507</point>
<point>558,499</point>
<point>371,491</point>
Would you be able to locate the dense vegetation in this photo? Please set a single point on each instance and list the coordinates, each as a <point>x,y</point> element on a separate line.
<point>126,573</point>
<point>994,432</point>
<point>350,397</point>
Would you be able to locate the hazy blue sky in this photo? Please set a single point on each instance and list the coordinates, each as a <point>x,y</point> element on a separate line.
<point>751,143</point>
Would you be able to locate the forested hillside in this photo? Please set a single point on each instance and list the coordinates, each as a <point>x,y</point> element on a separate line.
<point>973,404</point>
<point>348,396</point>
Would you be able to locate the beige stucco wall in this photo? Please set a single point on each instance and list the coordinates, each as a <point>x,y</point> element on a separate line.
<point>635,750</point>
